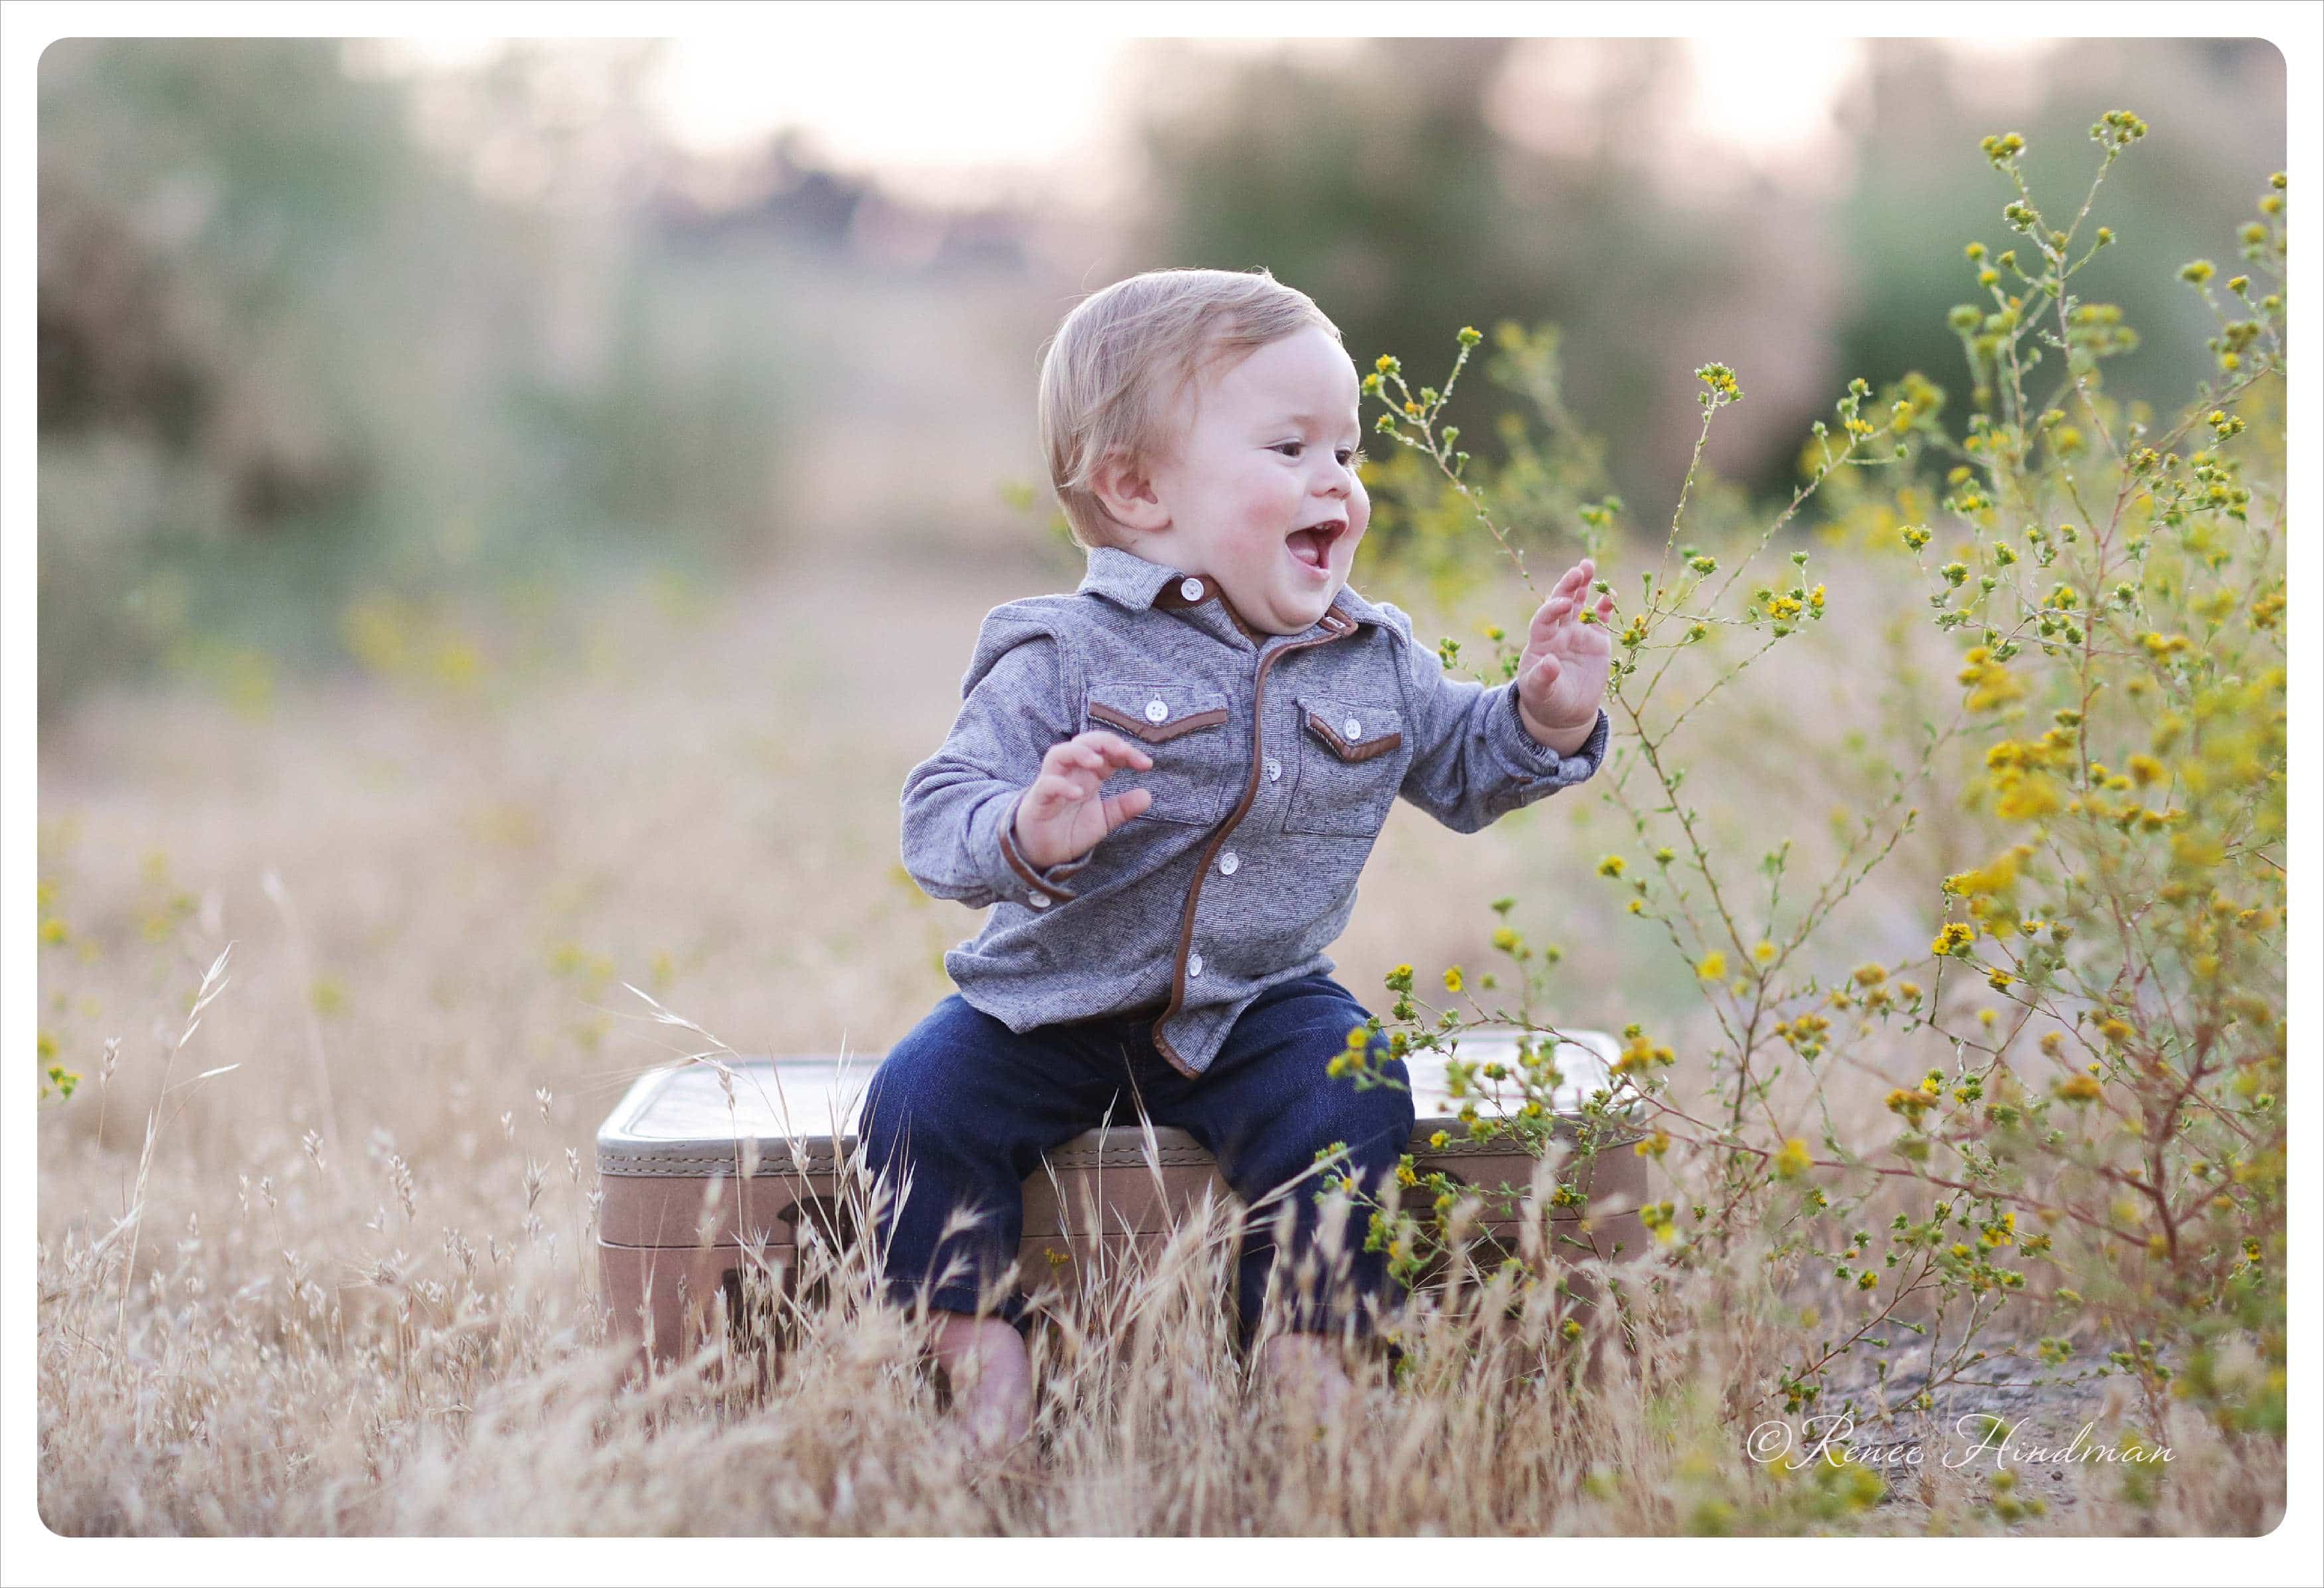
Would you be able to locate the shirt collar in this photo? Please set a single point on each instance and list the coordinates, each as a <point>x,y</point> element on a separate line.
<point>1128,580</point>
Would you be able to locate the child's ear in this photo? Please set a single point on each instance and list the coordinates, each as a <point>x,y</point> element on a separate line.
<point>1124,488</point>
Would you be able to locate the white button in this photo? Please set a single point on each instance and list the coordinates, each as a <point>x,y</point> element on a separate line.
<point>1228,864</point>
<point>1352,728</point>
<point>1037,901</point>
<point>1191,589</point>
<point>1194,964</point>
<point>1274,770</point>
<point>1156,711</point>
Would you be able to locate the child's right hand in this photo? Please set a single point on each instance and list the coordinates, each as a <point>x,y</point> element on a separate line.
<point>1062,814</point>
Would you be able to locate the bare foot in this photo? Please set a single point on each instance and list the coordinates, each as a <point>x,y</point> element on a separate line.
<point>991,1379</point>
<point>1305,1372</point>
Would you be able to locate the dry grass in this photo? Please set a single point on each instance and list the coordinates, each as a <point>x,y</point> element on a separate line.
<point>364,1297</point>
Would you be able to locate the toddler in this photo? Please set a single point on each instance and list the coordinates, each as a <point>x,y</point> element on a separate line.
<point>1165,786</point>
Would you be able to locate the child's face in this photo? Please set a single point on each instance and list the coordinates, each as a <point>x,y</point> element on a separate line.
<point>1262,495</point>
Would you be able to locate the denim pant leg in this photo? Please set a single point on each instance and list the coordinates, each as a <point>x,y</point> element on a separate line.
<point>1264,1108</point>
<point>966,1107</point>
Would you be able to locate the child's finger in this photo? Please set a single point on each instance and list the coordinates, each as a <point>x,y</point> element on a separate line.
<point>1054,790</point>
<point>1561,610</point>
<point>1114,749</point>
<point>1065,763</point>
<point>1119,808</point>
<point>1077,754</point>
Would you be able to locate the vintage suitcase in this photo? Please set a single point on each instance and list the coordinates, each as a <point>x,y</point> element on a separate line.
<point>695,1165</point>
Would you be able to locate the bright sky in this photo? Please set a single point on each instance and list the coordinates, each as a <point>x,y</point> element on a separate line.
<point>1019,106</point>
<point>964,115</point>
<point>924,116</point>
<point>931,118</point>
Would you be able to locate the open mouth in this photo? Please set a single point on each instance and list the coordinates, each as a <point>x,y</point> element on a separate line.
<point>1312,543</point>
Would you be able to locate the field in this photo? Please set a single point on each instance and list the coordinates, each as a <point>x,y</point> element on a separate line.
<point>363,1292</point>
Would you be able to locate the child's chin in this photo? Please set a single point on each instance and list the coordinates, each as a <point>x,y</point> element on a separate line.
<point>1291,612</point>
<point>1309,605</point>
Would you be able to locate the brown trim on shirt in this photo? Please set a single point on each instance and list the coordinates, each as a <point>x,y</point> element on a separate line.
<point>1160,733</point>
<point>1017,861</point>
<point>1344,749</point>
<point>1173,596</point>
<point>1337,625</point>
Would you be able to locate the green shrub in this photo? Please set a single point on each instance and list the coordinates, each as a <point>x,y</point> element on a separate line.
<point>2066,1114</point>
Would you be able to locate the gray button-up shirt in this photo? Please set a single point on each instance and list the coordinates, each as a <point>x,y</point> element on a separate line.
<point>1275,760</point>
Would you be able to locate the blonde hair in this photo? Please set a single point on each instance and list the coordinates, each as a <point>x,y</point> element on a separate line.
<point>1113,373</point>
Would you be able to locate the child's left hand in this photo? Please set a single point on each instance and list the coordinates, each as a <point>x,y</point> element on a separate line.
<point>1563,675</point>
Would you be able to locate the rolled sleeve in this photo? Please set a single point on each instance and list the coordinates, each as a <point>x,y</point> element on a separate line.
<point>960,804</point>
<point>1022,872</point>
<point>1536,762</point>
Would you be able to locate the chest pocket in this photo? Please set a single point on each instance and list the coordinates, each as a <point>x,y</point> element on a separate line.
<point>1184,727</point>
<point>1351,762</point>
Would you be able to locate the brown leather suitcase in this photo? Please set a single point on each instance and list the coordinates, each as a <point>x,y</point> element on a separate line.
<point>699,1163</point>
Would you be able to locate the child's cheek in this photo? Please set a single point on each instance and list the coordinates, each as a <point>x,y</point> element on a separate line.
<point>1266,507</point>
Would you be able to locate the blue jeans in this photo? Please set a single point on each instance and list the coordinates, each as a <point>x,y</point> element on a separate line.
<point>969,1107</point>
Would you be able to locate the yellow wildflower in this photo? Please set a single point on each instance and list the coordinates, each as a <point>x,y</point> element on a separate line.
<point>1910,1102</point>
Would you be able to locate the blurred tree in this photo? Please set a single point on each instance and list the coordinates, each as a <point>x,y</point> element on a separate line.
<point>1384,184</point>
<point>1384,201</point>
<point>289,354</point>
<point>190,199</point>
<point>1383,179</point>
<point>2216,107</point>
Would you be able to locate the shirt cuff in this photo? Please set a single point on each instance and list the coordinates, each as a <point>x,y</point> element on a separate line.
<point>1018,877</point>
<point>1544,768</point>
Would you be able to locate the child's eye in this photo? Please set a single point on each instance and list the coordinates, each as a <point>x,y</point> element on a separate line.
<point>1349,456</point>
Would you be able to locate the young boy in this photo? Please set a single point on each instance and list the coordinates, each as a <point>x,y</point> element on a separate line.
<point>1165,786</point>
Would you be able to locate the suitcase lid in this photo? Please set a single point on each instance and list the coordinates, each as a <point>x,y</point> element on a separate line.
<point>792,1109</point>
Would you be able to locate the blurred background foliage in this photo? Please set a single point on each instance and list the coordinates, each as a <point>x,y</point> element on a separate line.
<point>345,362</point>
<point>298,371</point>
<point>1417,186</point>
